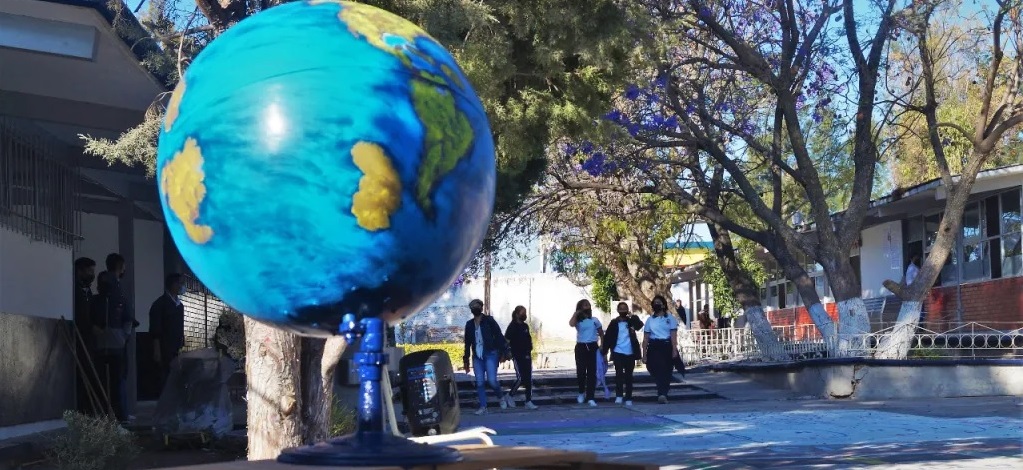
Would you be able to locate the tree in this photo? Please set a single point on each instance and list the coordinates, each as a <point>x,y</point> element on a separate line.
<point>538,67</point>
<point>997,119</point>
<point>743,85</point>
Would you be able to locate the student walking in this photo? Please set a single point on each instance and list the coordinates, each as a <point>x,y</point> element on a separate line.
<point>487,347</point>
<point>660,346</point>
<point>521,343</point>
<point>588,333</point>
<point>623,344</point>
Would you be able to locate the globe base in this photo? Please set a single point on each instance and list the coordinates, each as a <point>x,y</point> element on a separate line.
<point>369,450</point>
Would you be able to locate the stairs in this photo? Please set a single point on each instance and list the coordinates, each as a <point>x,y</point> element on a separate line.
<point>559,388</point>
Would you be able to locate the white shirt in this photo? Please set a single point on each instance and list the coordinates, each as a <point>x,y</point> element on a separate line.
<point>479,340</point>
<point>624,345</point>
<point>586,330</point>
<point>911,273</point>
<point>660,327</point>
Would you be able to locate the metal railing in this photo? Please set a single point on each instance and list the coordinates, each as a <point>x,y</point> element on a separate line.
<point>202,314</point>
<point>969,340</point>
<point>38,193</point>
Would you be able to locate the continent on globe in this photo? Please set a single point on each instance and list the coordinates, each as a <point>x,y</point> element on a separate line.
<point>182,183</point>
<point>174,106</point>
<point>448,137</point>
<point>379,189</point>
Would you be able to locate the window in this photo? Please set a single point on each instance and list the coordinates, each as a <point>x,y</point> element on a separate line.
<point>990,239</point>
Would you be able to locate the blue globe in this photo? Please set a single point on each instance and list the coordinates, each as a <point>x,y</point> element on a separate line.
<point>323,158</point>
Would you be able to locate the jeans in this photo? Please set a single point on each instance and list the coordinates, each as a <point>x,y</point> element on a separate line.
<point>624,367</point>
<point>523,375</point>
<point>586,368</point>
<point>486,374</point>
<point>113,375</point>
<point>659,363</point>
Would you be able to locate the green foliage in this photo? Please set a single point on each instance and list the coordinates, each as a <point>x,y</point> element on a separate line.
<point>93,444</point>
<point>454,350</point>
<point>343,419</point>
<point>605,289</point>
<point>724,298</point>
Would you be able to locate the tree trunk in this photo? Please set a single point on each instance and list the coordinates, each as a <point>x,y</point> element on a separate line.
<point>853,322</point>
<point>487,277</point>
<point>273,372</point>
<point>745,291</point>
<point>290,388</point>
<point>794,272</point>
<point>896,344</point>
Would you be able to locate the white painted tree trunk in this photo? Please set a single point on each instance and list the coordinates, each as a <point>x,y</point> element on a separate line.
<point>824,324</point>
<point>853,327</point>
<point>896,344</point>
<point>767,341</point>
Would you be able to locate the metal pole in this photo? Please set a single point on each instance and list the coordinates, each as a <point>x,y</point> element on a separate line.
<point>959,278</point>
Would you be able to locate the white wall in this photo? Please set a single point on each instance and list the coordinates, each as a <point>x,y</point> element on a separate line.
<point>880,258</point>
<point>100,238</point>
<point>148,264</point>
<point>549,299</point>
<point>36,278</point>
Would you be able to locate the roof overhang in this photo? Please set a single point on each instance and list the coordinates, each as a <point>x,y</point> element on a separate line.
<point>66,69</point>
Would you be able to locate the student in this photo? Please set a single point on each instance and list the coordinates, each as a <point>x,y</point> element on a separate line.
<point>487,347</point>
<point>521,343</point>
<point>588,334</point>
<point>621,340</point>
<point>660,346</point>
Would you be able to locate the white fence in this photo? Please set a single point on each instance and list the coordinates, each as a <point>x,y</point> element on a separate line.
<point>970,340</point>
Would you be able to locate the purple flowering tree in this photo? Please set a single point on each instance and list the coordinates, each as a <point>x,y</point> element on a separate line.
<point>726,118</point>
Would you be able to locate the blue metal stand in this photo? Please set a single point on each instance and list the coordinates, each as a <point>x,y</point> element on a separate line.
<point>370,445</point>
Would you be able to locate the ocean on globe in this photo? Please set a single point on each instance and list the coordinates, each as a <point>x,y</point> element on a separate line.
<point>323,158</point>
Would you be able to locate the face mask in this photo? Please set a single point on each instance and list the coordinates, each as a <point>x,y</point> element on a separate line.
<point>623,314</point>
<point>476,312</point>
<point>87,280</point>
<point>522,317</point>
<point>181,290</point>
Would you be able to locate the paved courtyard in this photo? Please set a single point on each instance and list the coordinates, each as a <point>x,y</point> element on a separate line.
<point>753,427</point>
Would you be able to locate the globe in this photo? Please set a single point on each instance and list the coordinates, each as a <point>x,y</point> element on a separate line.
<point>325,158</point>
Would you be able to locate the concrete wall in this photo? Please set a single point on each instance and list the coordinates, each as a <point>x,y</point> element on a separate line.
<point>874,380</point>
<point>880,258</point>
<point>36,375</point>
<point>35,277</point>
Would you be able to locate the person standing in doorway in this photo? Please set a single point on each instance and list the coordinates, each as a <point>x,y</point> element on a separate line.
<point>681,311</point>
<point>112,314</point>
<point>167,325</point>
<point>622,342</point>
<point>521,344</point>
<point>88,395</point>
<point>588,334</point>
<point>660,346</point>
<point>487,347</point>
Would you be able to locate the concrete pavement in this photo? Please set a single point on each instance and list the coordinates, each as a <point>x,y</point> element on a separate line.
<point>754,427</point>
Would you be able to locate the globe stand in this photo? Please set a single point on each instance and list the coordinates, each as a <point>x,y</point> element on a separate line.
<point>370,445</point>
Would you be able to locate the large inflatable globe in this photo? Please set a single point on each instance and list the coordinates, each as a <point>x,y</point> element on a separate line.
<point>323,158</point>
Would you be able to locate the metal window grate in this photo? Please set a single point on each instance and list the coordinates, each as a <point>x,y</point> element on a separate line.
<point>39,195</point>
<point>202,314</point>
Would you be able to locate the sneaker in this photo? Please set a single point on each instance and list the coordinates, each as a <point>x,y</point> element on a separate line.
<point>530,405</point>
<point>503,402</point>
<point>511,401</point>
<point>618,400</point>
<point>591,403</point>
<point>481,411</point>
<point>628,403</point>
<point>581,399</point>
<point>662,399</point>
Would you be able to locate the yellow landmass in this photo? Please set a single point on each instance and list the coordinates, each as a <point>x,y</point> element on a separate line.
<point>447,139</point>
<point>374,25</point>
<point>182,184</point>
<point>174,106</point>
<point>379,192</point>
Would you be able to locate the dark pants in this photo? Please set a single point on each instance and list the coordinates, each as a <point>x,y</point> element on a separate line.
<point>586,368</point>
<point>523,376</point>
<point>659,363</point>
<point>164,369</point>
<point>624,367</point>
<point>113,371</point>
